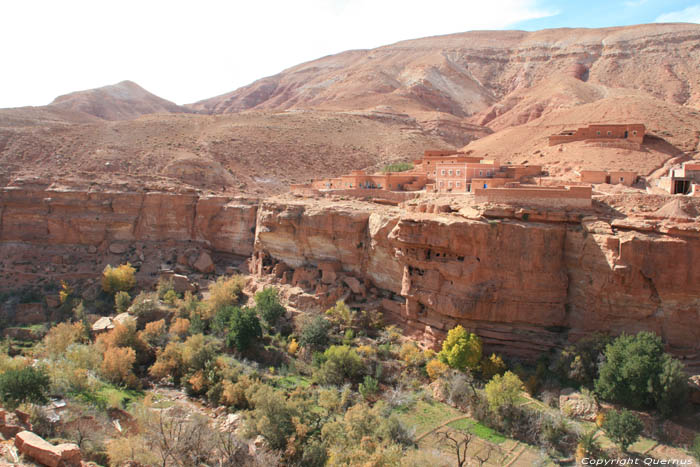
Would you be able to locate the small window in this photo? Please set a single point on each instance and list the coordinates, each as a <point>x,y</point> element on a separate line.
<point>457,184</point>
<point>442,183</point>
<point>449,184</point>
<point>597,133</point>
<point>459,171</point>
<point>449,172</point>
<point>634,132</point>
<point>609,133</point>
<point>480,173</point>
<point>442,172</point>
<point>622,179</point>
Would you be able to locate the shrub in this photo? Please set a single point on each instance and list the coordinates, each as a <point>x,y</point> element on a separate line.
<point>695,448</point>
<point>341,315</point>
<point>27,384</point>
<point>65,293</point>
<point>268,306</point>
<point>578,363</point>
<point>293,347</point>
<point>244,326</point>
<point>341,362</point>
<point>435,369</point>
<point>411,354</point>
<point>164,286</point>
<point>638,373</point>
<point>224,292</point>
<point>180,327</point>
<point>144,304</point>
<point>60,337</point>
<point>397,167</point>
<point>122,301</point>
<point>314,332</point>
<point>369,387</point>
<point>118,279</point>
<point>155,334</point>
<point>118,364</point>
<point>461,350</point>
<point>492,366</point>
<point>623,427</point>
<point>503,390</point>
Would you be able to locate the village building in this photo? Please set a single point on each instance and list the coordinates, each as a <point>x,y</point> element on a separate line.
<point>629,133</point>
<point>682,180</point>
<point>611,177</point>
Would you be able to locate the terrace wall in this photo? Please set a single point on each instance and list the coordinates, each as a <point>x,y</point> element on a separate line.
<point>572,197</point>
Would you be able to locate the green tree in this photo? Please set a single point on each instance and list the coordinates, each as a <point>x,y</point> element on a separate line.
<point>28,384</point>
<point>461,349</point>
<point>122,300</point>
<point>503,390</point>
<point>341,363</point>
<point>244,326</point>
<point>268,305</point>
<point>314,332</point>
<point>638,373</point>
<point>623,427</point>
<point>118,279</point>
<point>695,448</point>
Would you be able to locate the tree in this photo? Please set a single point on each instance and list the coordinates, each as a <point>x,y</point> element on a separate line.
<point>244,326</point>
<point>122,300</point>
<point>623,427</point>
<point>314,332</point>
<point>435,369</point>
<point>639,374</point>
<point>459,442</point>
<point>341,362</point>
<point>224,292</point>
<point>461,350</point>
<point>268,305</point>
<point>503,390</point>
<point>118,364</point>
<point>27,384</point>
<point>118,279</point>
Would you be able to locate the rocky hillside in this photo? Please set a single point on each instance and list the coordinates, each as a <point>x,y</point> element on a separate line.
<point>487,78</point>
<point>119,101</point>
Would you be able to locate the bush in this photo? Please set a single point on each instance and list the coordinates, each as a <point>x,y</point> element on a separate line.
<point>28,384</point>
<point>397,167</point>
<point>224,292</point>
<point>639,374</point>
<point>268,305</point>
<point>503,390</point>
<point>118,279</point>
<point>411,354</point>
<point>118,364</point>
<point>578,364</point>
<point>492,366</point>
<point>314,332</point>
<point>461,350</point>
<point>244,326</point>
<point>60,337</point>
<point>180,327</point>
<point>155,333</point>
<point>369,387</point>
<point>293,347</point>
<point>122,301</point>
<point>341,315</point>
<point>435,369</point>
<point>695,448</point>
<point>623,427</point>
<point>341,362</point>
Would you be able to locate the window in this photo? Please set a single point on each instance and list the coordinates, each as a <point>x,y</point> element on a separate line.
<point>459,171</point>
<point>622,179</point>
<point>450,184</point>
<point>488,173</point>
<point>449,171</point>
<point>442,183</point>
<point>634,132</point>
<point>480,173</point>
<point>609,133</point>
<point>457,184</point>
<point>442,172</point>
<point>597,133</point>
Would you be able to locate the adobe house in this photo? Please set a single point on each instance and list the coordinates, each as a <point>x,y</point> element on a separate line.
<point>613,178</point>
<point>682,180</point>
<point>464,177</point>
<point>533,195</point>
<point>629,132</point>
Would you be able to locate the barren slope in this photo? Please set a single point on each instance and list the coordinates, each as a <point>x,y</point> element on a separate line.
<point>254,152</point>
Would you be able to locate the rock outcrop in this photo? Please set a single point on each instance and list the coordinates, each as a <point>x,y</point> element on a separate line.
<point>45,453</point>
<point>523,286</point>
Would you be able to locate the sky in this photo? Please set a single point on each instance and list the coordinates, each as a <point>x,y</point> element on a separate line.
<point>185,51</point>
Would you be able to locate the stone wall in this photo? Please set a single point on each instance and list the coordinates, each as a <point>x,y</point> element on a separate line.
<point>555,197</point>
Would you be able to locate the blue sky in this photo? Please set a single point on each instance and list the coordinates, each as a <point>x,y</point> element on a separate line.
<point>602,13</point>
<point>185,51</point>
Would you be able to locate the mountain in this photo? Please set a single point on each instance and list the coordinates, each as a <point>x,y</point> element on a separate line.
<point>486,80</point>
<point>121,101</point>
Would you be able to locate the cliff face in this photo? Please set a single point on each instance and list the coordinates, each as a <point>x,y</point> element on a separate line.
<point>100,218</point>
<point>524,286</point>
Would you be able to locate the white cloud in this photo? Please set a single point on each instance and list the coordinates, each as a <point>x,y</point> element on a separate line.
<point>688,15</point>
<point>184,52</point>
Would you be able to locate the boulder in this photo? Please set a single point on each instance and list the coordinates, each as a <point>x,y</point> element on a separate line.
<point>231,422</point>
<point>181,283</point>
<point>53,301</point>
<point>204,263</point>
<point>355,285</point>
<point>102,325</point>
<point>574,404</point>
<point>45,453</point>
<point>118,248</point>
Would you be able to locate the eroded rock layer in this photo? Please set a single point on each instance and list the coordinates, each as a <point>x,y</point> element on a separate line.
<point>524,286</point>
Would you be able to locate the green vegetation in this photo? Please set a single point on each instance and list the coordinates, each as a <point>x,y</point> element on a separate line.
<point>461,350</point>
<point>339,363</point>
<point>27,384</point>
<point>314,332</point>
<point>244,326</point>
<point>478,429</point>
<point>639,374</point>
<point>268,306</point>
<point>397,167</point>
<point>623,427</point>
<point>118,279</point>
<point>502,392</point>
